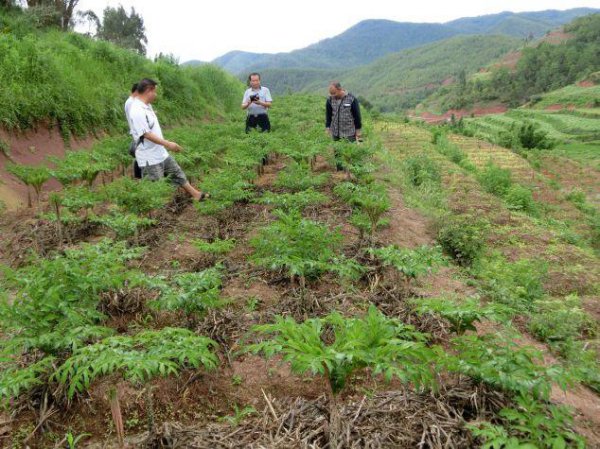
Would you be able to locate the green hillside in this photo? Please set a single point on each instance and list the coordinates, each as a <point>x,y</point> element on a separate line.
<point>401,80</point>
<point>542,67</point>
<point>528,22</point>
<point>572,95</point>
<point>283,81</point>
<point>515,26</point>
<point>81,84</point>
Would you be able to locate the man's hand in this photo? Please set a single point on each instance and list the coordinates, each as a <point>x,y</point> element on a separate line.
<point>172,146</point>
<point>328,131</point>
<point>358,134</point>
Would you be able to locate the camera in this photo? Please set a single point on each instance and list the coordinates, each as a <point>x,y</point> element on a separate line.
<point>254,98</point>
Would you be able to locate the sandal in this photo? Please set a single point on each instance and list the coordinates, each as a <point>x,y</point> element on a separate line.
<point>203,196</point>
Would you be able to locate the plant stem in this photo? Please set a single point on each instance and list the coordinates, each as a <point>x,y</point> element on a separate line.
<point>334,414</point>
<point>117,416</point>
<point>150,412</point>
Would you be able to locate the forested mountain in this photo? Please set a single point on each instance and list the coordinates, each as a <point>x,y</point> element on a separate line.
<point>361,44</point>
<point>401,80</point>
<point>371,39</point>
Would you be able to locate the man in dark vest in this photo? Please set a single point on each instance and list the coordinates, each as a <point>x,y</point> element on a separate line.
<point>342,116</point>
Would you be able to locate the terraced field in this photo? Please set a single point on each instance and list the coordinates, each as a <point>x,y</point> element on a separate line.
<point>522,240</point>
<point>572,163</point>
<point>564,127</point>
<point>397,302</point>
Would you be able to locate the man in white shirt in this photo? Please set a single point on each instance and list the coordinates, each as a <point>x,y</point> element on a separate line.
<point>151,153</point>
<point>257,101</point>
<point>137,171</point>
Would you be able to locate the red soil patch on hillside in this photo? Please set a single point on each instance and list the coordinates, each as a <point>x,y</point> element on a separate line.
<point>586,83</point>
<point>509,60</point>
<point>556,37</point>
<point>458,113</point>
<point>31,147</point>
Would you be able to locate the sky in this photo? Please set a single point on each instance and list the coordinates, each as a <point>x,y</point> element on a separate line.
<point>205,30</point>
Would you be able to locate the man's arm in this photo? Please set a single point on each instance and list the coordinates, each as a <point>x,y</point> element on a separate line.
<point>355,110</point>
<point>246,100</point>
<point>141,128</point>
<point>328,113</point>
<point>265,104</point>
<point>152,137</point>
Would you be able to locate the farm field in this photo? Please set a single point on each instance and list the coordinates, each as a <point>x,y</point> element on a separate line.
<point>563,126</point>
<point>434,291</point>
<point>571,162</point>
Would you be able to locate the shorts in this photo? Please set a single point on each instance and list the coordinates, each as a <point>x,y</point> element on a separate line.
<point>169,167</point>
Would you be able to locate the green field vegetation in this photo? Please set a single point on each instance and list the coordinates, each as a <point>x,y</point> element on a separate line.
<point>462,234</point>
<point>585,153</point>
<point>132,307</point>
<point>80,84</point>
<point>580,97</point>
<point>73,343</point>
<point>560,127</point>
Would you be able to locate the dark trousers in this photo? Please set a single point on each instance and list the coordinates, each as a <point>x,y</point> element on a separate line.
<point>349,139</point>
<point>260,120</point>
<point>137,171</point>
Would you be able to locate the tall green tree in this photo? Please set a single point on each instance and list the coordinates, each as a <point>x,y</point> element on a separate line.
<point>90,19</point>
<point>64,10</point>
<point>125,30</point>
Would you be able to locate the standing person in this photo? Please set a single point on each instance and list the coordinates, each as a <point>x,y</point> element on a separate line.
<point>137,171</point>
<point>151,153</point>
<point>342,117</point>
<point>342,114</point>
<point>257,101</point>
